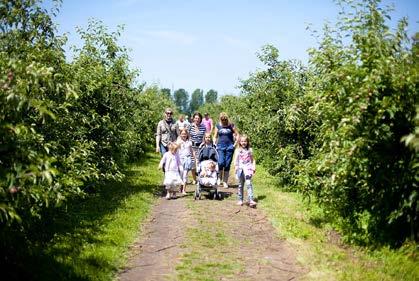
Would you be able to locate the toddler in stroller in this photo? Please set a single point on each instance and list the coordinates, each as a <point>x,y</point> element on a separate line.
<point>207,169</point>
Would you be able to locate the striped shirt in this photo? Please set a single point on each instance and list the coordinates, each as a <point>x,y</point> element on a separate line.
<point>197,134</point>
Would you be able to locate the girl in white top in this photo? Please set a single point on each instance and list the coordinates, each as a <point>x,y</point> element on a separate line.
<point>182,122</point>
<point>172,170</point>
<point>185,154</point>
<point>245,167</point>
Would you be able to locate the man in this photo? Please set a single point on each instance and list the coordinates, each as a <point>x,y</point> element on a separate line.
<point>207,121</point>
<point>167,131</point>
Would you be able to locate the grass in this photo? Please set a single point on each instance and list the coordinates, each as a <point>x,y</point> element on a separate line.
<point>206,258</point>
<point>318,246</point>
<point>89,239</point>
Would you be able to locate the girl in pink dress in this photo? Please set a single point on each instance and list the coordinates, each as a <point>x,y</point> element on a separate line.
<point>245,167</point>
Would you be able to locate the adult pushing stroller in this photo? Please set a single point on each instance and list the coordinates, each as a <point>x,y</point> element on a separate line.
<point>207,172</point>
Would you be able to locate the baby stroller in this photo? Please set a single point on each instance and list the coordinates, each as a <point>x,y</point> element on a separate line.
<point>207,171</point>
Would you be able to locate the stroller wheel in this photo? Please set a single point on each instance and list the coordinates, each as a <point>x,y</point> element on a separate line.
<point>219,195</point>
<point>215,195</point>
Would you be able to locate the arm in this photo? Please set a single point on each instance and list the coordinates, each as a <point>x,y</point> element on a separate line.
<point>253,161</point>
<point>177,130</point>
<point>158,137</point>
<point>235,135</point>
<point>215,138</point>
<point>203,173</point>
<point>236,161</point>
<point>192,152</point>
<point>162,161</point>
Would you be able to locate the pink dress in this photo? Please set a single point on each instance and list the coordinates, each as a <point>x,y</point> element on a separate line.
<point>244,162</point>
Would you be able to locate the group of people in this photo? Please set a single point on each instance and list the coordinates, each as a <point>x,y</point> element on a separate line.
<point>180,141</point>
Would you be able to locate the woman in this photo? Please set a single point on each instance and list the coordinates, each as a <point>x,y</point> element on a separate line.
<point>167,131</point>
<point>196,133</point>
<point>225,136</point>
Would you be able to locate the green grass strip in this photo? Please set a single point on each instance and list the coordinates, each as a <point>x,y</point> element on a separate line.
<point>305,227</point>
<point>208,255</point>
<point>91,237</point>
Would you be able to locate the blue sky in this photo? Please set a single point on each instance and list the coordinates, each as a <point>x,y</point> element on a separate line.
<point>207,44</point>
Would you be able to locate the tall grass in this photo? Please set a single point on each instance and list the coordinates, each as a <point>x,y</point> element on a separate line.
<point>88,239</point>
<point>319,248</point>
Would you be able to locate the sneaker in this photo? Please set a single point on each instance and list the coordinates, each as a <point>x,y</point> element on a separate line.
<point>252,203</point>
<point>240,203</point>
<point>168,196</point>
<point>225,185</point>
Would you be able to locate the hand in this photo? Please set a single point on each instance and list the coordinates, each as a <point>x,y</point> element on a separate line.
<point>157,150</point>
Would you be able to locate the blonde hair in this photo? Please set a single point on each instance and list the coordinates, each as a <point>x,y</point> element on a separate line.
<point>172,147</point>
<point>223,117</point>
<point>207,134</point>
<point>246,137</point>
<point>211,165</point>
<point>186,131</point>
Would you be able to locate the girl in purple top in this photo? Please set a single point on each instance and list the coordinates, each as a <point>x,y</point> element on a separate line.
<point>225,136</point>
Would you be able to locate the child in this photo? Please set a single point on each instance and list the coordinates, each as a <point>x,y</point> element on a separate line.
<point>185,153</point>
<point>207,149</point>
<point>245,167</point>
<point>172,170</point>
<point>208,175</point>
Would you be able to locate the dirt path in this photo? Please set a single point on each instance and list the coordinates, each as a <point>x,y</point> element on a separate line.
<point>154,255</point>
<point>218,238</point>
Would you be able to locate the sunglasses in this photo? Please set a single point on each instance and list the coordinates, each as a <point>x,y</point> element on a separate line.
<point>169,113</point>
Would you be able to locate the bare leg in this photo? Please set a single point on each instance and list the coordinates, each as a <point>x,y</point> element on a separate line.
<point>193,175</point>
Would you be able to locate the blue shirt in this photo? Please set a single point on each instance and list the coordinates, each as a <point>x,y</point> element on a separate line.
<point>225,134</point>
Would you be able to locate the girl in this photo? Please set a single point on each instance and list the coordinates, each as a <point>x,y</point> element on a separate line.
<point>207,149</point>
<point>172,170</point>
<point>185,154</point>
<point>245,167</point>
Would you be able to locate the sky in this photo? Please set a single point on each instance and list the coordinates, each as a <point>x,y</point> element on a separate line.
<point>209,44</point>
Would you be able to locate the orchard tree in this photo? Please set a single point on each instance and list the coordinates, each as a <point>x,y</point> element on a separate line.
<point>197,100</point>
<point>181,98</point>
<point>211,96</point>
<point>166,92</point>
